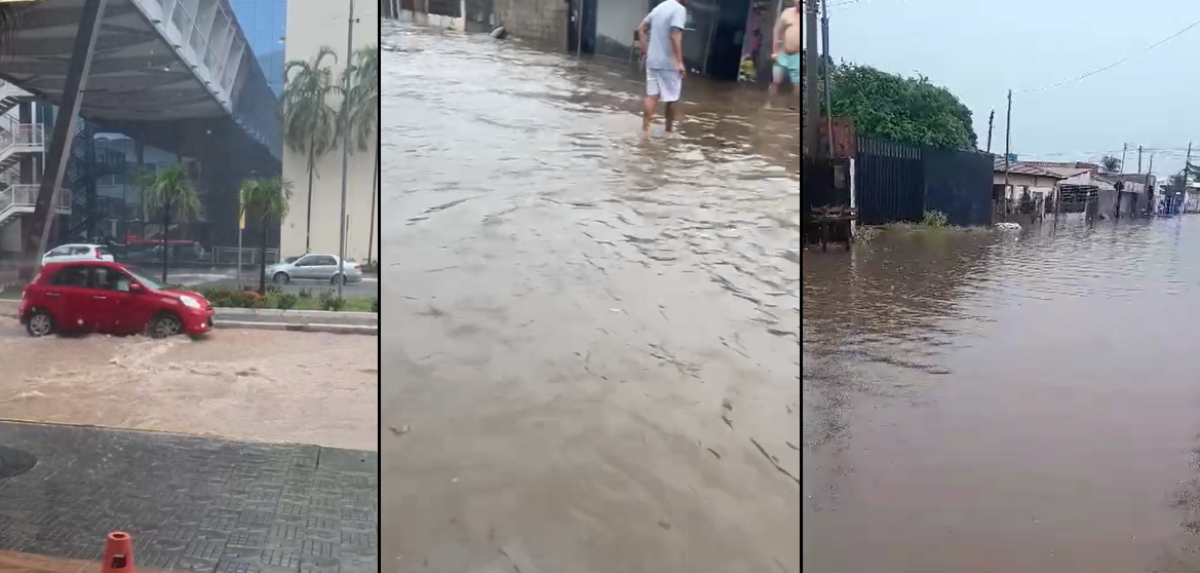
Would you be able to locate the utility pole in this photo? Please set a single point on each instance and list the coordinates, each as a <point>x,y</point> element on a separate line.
<point>341,276</point>
<point>813,116</point>
<point>1120,186</point>
<point>991,121</point>
<point>1007,153</point>
<point>1187,166</point>
<point>826,60</point>
<point>1139,159</point>
<point>1124,150</point>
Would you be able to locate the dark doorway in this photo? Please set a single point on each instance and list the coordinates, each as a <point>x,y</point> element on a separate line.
<point>725,45</point>
<point>586,44</point>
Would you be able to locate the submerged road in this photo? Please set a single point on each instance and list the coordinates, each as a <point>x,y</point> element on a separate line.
<point>590,345</point>
<point>1005,402</point>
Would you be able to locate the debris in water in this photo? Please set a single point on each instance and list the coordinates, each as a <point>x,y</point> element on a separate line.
<point>399,431</point>
<point>714,453</point>
<point>664,524</point>
<point>728,422</point>
<point>774,461</point>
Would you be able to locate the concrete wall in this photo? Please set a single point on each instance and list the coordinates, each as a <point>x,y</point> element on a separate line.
<point>310,25</point>
<point>615,22</point>
<point>10,236</point>
<point>540,20</point>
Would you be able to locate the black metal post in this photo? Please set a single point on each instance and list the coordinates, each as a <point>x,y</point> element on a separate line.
<point>38,233</point>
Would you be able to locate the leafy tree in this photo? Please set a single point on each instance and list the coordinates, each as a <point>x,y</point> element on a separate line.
<point>1110,164</point>
<point>310,123</point>
<point>169,191</point>
<point>905,110</point>
<point>361,116</point>
<point>267,200</point>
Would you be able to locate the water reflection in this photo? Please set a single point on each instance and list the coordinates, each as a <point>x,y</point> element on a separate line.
<point>1003,402</point>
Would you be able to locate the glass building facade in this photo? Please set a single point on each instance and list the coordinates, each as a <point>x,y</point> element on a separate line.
<point>265,24</point>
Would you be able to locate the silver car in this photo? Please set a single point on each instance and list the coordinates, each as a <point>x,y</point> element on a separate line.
<point>322,268</point>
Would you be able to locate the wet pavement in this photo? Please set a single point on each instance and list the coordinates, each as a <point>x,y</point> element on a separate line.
<point>291,387</point>
<point>1004,402</point>
<point>590,341</point>
<point>189,503</point>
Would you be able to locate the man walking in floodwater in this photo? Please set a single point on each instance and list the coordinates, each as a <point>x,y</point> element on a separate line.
<point>787,64</point>
<point>661,40</point>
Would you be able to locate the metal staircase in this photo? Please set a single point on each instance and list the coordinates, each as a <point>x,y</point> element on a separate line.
<point>11,95</point>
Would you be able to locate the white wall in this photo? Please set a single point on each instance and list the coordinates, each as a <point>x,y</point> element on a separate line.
<point>617,19</point>
<point>310,25</point>
<point>10,236</point>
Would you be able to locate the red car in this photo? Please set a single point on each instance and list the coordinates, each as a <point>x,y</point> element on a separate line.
<point>109,298</point>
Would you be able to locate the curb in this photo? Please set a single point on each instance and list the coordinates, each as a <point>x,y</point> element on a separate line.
<point>296,327</point>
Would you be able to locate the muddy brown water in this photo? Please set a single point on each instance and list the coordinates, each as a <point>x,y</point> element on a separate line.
<point>1015,402</point>
<point>585,334</point>
<point>288,387</point>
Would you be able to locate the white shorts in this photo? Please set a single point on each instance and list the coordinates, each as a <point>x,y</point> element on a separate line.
<point>666,84</point>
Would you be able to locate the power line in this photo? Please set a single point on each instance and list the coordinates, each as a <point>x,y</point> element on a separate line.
<point>1116,63</point>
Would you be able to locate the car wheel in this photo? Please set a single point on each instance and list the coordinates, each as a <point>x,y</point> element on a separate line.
<point>336,278</point>
<point>39,324</point>
<point>281,278</point>
<point>165,325</point>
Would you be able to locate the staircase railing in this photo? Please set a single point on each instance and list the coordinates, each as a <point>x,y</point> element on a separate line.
<point>22,137</point>
<point>25,196</point>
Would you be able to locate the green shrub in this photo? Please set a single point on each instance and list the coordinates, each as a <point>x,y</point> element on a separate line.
<point>335,304</point>
<point>375,305</point>
<point>305,293</point>
<point>324,297</point>
<point>934,219</point>
<point>282,300</point>
<point>229,297</point>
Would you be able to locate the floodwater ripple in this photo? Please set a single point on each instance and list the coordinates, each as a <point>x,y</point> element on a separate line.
<point>1004,402</point>
<point>592,339</point>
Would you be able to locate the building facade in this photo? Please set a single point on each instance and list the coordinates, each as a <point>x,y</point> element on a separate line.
<point>265,24</point>
<point>312,24</point>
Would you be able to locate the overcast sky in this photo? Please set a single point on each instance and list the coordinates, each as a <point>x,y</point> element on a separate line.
<point>979,49</point>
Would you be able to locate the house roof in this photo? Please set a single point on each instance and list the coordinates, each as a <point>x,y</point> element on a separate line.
<point>1027,169</point>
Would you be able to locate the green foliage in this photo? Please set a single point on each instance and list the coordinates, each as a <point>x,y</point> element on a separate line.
<point>282,301</point>
<point>266,199</point>
<point>905,110</point>
<point>934,219</point>
<point>169,192</point>
<point>305,293</point>
<point>375,305</point>
<point>230,297</point>
<point>329,301</point>
<point>360,107</point>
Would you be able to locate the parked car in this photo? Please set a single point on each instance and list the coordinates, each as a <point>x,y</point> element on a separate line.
<point>110,298</point>
<point>77,252</point>
<point>314,268</point>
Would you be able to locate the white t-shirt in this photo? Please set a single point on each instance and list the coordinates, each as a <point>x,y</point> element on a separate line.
<point>663,19</point>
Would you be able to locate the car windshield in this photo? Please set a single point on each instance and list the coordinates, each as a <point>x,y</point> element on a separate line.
<point>145,278</point>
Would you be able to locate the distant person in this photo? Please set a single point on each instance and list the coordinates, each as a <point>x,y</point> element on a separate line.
<point>661,40</point>
<point>787,64</point>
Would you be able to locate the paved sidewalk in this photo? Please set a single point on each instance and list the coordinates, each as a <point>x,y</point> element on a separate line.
<point>192,503</point>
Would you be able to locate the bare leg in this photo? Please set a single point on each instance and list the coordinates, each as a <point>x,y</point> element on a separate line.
<point>648,112</point>
<point>670,115</point>
<point>772,92</point>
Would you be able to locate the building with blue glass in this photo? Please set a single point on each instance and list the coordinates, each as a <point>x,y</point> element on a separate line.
<point>265,24</point>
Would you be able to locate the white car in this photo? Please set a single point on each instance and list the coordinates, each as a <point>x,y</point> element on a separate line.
<point>77,252</point>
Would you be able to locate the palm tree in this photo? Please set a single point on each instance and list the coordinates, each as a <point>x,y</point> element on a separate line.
<point>309,121</point>
<point>266,198</point>
<point>360,113</point>
<point>1110,164</point>
<point>170,191</point>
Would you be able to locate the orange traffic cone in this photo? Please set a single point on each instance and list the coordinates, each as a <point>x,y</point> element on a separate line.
<point>118,554</point>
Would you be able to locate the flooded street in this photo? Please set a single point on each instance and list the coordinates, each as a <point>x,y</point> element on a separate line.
<point>995,403</point>
<point>590,342</point>
<point>286,387</point>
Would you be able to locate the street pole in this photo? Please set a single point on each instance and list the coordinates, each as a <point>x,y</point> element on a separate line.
<point>1187,165</point>
<point>241,228</point>
<point>811,131</point>
<point>826,60</point>
<point>1124,151</point>
<point>991,121</point>
<point>1139,160</point>
<point>341,278</point>
<point>1007,151</point>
